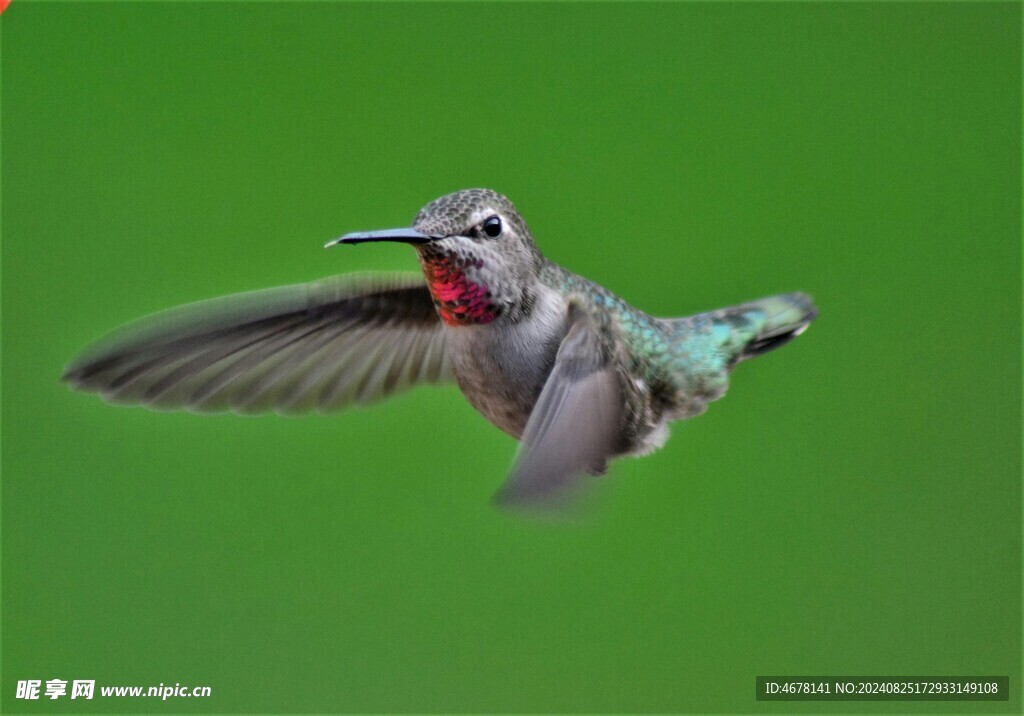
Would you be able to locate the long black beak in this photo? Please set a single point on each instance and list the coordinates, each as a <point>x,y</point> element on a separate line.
<point>406,236</point>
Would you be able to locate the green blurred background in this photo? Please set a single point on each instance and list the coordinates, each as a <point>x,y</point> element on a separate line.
<point>851,507</point>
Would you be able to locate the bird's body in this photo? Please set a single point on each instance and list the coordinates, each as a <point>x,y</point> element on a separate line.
<point>551,358</point>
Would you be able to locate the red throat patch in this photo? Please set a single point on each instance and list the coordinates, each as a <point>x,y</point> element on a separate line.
<point>459,301</point>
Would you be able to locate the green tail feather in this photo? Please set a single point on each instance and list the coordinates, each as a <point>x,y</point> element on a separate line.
<point>757,327</point>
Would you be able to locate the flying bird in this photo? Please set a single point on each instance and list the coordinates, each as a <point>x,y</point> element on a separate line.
<point>560,363</point>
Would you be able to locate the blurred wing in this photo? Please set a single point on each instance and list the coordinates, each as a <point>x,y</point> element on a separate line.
<point>316,346</point>
<point>573,426</point>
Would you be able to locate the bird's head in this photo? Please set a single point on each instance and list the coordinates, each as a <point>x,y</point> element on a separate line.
<point>477,254</point>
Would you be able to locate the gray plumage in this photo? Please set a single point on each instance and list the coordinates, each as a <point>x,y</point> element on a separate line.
<point>553,359</point>
<point>317,346</point>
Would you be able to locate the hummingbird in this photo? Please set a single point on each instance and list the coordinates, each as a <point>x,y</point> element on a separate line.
<point>558,362</point>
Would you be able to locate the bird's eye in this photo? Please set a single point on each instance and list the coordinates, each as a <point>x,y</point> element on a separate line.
<point>492,227</point>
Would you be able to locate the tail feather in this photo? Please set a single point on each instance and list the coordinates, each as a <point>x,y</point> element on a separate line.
<point>785,317</point>
<point>754,328</point>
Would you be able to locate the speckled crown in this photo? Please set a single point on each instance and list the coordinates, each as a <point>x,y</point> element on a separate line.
<point>452,213</point>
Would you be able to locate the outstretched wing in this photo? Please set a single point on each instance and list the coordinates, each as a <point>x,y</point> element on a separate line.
<point>316,346</point>
<point>574,425</point>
